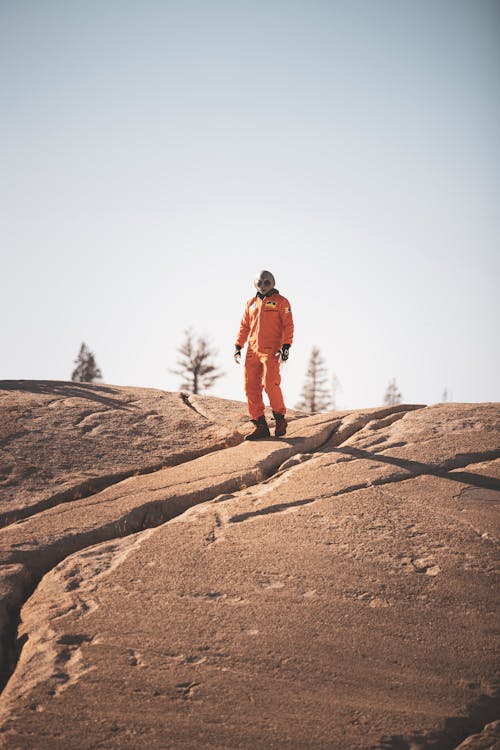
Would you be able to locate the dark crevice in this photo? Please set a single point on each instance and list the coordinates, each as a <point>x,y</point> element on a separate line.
<point>281,507</point>
<point>347,431</point>
<point>415,469</point>
<point>379,424</point>
<point>39,561</point>
<point>93,485</point>
<point>21,585</point>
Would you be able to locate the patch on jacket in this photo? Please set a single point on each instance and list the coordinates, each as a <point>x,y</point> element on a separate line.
<point>270,305</point>
<point>288,309</point>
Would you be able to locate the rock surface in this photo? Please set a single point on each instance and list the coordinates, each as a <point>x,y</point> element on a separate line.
<point>167,585</point>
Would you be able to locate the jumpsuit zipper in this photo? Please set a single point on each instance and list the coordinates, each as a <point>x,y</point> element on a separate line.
<point>258,324</point>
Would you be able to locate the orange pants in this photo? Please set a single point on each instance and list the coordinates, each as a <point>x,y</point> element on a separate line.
<point>262,371</point>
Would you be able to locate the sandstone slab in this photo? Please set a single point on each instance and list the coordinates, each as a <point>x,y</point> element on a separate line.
<point>336,589</point>
<point>60,441</point>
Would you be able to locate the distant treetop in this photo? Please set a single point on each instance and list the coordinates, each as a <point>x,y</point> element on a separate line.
<point>86,370</point>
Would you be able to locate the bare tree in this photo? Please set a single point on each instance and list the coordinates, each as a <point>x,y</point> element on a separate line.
<point>392,395</point>
<point>86,370</point>
<point>315,396</point>
<point>196,363</point>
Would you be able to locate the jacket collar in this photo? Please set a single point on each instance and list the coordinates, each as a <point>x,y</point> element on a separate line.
<point>269,294</point>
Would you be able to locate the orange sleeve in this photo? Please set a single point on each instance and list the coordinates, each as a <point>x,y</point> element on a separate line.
<point>244,328</point>
<point>286,322</point>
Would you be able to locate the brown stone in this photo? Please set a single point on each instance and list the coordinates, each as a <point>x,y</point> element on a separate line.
<point>335,588</point>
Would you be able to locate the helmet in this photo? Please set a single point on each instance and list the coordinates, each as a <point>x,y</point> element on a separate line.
<point>264,282</point>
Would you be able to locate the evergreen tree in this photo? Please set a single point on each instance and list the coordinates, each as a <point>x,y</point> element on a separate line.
<point>315,396</point>
<point>196,364</point>
<point>392,395</point>
<point>86,370</point>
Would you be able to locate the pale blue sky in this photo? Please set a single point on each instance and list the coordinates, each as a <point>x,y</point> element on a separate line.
<point>155,155</point>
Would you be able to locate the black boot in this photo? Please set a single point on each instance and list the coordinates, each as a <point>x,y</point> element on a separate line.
<point>261,429</point>
<point>281,424</point>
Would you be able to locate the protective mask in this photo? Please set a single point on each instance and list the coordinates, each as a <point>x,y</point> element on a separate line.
<point>264,282</point>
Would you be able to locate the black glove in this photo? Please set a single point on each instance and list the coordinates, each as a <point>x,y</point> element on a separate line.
<point>237,354</point>
<point>285,351</point>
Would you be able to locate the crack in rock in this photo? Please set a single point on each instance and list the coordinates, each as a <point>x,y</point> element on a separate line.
<point>38,560</point>
<point>150,515</point>
<point>69,666</point>
<point>95,485</point>
<point>283,507</point>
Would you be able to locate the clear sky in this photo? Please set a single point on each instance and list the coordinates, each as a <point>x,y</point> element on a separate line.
<point>154,155</point>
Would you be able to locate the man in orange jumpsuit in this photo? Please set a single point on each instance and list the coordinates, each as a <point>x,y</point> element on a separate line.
<point>267,323</point>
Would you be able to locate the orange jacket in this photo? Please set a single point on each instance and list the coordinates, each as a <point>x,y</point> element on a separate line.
<point>266,323</point>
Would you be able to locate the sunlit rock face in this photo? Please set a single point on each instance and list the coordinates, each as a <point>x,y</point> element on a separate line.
<point>166,584</point>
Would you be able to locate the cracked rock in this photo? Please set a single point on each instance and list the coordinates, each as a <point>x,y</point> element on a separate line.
<point>318,591</point>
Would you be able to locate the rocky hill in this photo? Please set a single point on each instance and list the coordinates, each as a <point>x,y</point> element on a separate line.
<point>165,584</point>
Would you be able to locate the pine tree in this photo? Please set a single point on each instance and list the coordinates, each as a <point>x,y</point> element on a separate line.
<point>196,364</point>
<point>392,395</point>
<point>86,370</point>
<point>315,396</point>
